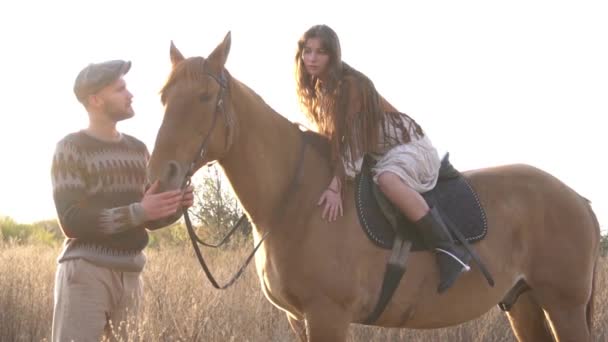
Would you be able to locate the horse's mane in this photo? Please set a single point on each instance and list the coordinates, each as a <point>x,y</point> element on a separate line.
<point>319,142</point>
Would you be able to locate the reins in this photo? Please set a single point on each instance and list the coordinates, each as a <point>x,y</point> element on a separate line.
<point>293,185</point>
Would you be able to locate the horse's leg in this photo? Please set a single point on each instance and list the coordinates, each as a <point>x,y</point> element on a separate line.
<point>528,320</point>
<point>566,304</point>
<point>569,324</point>
<point>568,297</point>
<point>570,309</point>
<point>327,322</point>
<point>298,327</point>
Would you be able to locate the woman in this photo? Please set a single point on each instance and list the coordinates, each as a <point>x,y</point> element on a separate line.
<point>346,108</point>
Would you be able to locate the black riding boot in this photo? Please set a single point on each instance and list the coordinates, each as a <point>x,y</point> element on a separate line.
<point>451,258</point>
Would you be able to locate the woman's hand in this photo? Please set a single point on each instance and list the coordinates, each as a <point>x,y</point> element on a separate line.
<point>333,204</point>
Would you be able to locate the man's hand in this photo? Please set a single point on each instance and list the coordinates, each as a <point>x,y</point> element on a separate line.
<point>188,197</point>
<point>160,205</point>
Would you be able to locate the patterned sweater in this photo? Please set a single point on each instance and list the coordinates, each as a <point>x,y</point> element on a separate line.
<point>97,187</point>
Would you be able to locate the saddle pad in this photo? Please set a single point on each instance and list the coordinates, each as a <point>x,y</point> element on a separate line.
<point>453,196</point>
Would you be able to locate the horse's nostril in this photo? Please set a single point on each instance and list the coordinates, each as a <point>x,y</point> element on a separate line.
<point>173,170</point>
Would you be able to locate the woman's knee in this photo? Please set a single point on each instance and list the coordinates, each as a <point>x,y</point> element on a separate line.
<point>386,180</point>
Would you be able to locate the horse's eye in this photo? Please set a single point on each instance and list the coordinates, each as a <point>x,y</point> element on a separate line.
<point>204,97</point>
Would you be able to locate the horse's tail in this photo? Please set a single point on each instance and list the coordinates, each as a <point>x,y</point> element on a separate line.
<point>590,303</point>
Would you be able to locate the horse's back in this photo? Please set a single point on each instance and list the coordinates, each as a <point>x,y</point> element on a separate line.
<point>540,222</point>
<point>533,189</point>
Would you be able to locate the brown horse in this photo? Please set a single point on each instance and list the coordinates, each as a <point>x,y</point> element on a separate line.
<point>328,275</point>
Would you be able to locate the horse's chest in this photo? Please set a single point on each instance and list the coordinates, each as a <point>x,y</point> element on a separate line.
<point>278,287</point>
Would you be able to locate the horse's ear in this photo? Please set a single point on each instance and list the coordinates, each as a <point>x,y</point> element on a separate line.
<point>176,56</point>
<point>219,56</point>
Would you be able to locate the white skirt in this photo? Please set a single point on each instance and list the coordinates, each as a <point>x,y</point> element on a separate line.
<point>416,163</point>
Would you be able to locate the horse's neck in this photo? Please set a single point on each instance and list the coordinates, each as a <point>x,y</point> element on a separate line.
<point>261,162</point>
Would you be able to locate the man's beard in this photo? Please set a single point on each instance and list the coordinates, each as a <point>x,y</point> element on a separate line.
<point>118,114</point>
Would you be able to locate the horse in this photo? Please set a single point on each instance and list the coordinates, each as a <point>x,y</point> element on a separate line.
<point>325,276</point>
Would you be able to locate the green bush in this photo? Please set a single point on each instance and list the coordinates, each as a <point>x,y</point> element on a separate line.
<point>49,233</point>
<point>43,232</point>
<point>13,231</point>
<point>173,235</point>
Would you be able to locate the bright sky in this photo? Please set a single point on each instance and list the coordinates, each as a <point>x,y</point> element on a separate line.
<point>491,82</point>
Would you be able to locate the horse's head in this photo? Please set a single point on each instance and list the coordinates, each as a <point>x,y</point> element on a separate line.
<point>199,125</point>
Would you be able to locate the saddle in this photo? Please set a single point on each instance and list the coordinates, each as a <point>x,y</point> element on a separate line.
<point>385,225</point>
<point>453,196</point>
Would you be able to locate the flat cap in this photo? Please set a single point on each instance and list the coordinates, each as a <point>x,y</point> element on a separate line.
<point>96,76</point>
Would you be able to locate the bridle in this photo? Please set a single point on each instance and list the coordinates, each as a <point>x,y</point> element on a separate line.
<point>219,109</point>
<point>200,157</point>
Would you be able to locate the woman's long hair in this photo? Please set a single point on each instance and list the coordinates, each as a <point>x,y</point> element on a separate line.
<point>319,109</point>
<point>328,104</point>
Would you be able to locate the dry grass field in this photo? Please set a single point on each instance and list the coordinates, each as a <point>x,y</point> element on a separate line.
<point>180,305</point>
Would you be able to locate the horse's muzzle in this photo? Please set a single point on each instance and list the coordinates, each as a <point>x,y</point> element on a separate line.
<point>172,176</point>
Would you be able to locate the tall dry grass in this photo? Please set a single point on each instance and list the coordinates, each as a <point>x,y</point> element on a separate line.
<point>180,305</point>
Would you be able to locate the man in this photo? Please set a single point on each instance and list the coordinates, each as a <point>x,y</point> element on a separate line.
<point>99,177</point>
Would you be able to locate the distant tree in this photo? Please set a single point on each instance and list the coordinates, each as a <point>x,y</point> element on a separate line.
<point>216,209</point>
<point>604,245</point>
